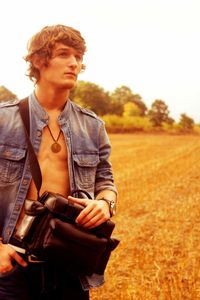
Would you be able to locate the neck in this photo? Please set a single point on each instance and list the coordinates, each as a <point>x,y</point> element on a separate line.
<point>51,99</point>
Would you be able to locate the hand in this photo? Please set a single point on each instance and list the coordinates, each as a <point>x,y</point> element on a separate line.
<point>7,256</point>
<point>95,212</point>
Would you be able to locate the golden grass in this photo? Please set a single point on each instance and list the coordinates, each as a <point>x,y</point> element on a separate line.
<point>158,219</point>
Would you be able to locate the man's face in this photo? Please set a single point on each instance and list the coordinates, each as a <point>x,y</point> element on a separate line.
<point>63,67</point>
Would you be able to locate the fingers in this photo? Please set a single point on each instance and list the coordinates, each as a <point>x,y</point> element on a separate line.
<point>19,259</point>
<point>94,213</point>
<point>89,217</point>
<point>7,257</point>
<point>93,222</point>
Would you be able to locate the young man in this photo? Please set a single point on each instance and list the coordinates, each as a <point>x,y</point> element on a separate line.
<point>72,148</point>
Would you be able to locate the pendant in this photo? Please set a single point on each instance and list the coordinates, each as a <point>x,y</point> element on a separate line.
<point>55,147</point>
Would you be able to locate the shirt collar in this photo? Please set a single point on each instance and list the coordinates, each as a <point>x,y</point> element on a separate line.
<point>43,115</point>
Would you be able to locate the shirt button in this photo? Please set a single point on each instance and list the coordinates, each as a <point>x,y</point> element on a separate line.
<point>39,133</point>
<point>7,153</point>
<point>17,207</point>
<point>46,117</point>
<point>25,182</point>
<point>8,231</point>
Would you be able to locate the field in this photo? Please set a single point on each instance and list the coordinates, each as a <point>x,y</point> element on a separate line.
<point>158,219</point>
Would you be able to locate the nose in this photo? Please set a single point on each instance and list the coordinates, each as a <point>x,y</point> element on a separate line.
<point>73,61</point>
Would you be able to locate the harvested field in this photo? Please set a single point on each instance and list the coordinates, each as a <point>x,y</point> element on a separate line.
<point>158,219</point>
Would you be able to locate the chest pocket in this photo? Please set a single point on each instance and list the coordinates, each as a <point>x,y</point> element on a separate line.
<point>11,163</point>
<point>85,169</point>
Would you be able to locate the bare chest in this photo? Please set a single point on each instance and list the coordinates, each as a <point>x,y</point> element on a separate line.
<point>52,147</point>
<point>53,161</point>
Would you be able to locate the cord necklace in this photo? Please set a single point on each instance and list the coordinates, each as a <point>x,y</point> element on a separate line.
<point>55,147</point>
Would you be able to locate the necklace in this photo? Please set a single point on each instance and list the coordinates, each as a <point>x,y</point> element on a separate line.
<point>55,147</point>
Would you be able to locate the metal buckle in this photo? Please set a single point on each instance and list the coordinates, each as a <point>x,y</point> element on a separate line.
<point>33,259</point>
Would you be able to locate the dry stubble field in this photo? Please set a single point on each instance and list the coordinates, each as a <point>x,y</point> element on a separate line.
<point>158,219</point>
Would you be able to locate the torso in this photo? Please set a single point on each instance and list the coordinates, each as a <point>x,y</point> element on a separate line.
<point>54,166</point>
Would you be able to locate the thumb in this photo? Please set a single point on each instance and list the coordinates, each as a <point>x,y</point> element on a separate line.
<point>80,201</point>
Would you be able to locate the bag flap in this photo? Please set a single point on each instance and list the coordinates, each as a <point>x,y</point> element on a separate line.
<point>77,234</point>
<point>33,207</point>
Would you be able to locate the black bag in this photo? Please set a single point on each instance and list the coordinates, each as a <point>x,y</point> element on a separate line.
<point>49,230</point>
<point>50,233</point>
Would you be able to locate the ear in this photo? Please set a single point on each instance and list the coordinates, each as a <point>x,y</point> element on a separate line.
<point>38,62</point>
<point>83,67</point>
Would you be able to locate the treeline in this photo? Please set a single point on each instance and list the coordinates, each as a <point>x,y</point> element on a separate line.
<point>124,111</point>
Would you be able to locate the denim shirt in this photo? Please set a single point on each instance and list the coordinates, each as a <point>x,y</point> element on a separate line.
<point>88,155</point>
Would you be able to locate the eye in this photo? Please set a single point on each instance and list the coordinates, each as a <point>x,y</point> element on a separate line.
<point>63,54</point>
<point>79,57</point>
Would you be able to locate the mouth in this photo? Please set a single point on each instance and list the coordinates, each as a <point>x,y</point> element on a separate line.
<point>71,74</point>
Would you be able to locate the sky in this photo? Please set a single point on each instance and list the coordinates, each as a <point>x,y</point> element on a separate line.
<point>150,46</point>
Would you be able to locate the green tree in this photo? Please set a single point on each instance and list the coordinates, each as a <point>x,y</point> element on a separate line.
<point>91,96</point>
<point>137,99</point>
<point>6,95</point>
<point>186,123</point>
<point>123,95</point>
<point>159,113</point>
<point>131,109</point>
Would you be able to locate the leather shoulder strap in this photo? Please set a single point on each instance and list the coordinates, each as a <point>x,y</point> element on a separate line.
<point>33,162</point>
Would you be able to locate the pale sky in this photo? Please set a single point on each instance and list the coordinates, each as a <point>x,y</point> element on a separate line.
<point>151,46</point>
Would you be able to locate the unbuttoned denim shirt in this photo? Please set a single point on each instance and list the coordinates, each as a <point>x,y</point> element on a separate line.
<point>88,153</point>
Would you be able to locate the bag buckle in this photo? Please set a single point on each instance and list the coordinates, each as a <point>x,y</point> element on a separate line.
<point>33,259</point>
